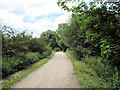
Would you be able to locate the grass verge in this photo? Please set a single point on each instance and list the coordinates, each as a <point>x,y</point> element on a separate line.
<point>16,77</point>
<point>86,76</point>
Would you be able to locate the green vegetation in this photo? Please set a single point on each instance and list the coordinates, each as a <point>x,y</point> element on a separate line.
<point>20,50</point>
<point>93,34</point>
<point>51,38</point>
<point>87,77</point>
<point>16,77</point>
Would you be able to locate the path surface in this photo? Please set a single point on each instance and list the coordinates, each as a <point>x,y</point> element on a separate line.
<point>56,73</point>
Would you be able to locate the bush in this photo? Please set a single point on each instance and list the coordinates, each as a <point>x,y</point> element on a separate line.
<point>46,53</point>
<point>19,50</point>
<point>13,64</point>
<point>57,49</point>
<point>103,70</point>
<point>9,66</point>
<point>32,57</point>
<point>21,61</point>
<point>108,73</point>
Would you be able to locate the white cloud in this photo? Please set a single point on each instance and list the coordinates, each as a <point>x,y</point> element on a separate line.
<point>18,11</point>
<point>13,12</point>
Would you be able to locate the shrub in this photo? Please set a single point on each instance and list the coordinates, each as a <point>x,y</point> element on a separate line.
<point>32,57</point>
<point>21,61</point>
<point>104,70</point>
<point>46,53</point>
<point>9,66</point>
<point>13,64</point>
<point>57,49</point>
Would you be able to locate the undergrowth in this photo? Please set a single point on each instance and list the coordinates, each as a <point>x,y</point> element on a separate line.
<point>17,76</point>
<point>87,76</point>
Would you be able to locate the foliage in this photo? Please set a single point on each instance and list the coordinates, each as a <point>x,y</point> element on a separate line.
<point>47,51</point>
<point>37,45</point>
<point>13,64</point>
<point>50,38</point>
<point>103,70</point>
<point>17,76</point>
<point>13,42</point>
<point>95,31</point>
<point>19,50</point>
<point>61,40</point>
<point>92,31</point>
<point>86,75</point>
<point>57,49</point>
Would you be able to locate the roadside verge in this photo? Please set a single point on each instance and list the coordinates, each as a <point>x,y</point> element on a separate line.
<point>16,77</point>
<point>86,76</point>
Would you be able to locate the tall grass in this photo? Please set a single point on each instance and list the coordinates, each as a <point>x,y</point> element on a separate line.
<point>105,71</point>
<point>86,76</point>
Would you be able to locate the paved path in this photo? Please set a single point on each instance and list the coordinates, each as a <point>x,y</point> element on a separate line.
<point>56,73</point>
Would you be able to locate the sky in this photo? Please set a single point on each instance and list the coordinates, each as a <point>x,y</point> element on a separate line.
<point>36,16</point>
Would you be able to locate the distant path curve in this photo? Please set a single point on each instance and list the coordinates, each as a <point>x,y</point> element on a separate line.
<point>56,73</point>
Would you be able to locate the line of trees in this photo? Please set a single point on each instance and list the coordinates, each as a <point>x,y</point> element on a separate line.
<point>94,31</point>
<point>19,49</point>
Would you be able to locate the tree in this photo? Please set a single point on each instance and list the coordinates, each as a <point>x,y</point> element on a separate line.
<point>94,30</point>
<point>50,38</point>
<point>61,38</point>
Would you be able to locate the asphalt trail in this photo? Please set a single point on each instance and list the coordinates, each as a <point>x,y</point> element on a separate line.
<point>56,73</point>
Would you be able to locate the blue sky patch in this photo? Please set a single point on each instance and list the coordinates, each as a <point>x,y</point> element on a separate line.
<point>51,17</point>
<point>28,19</point>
